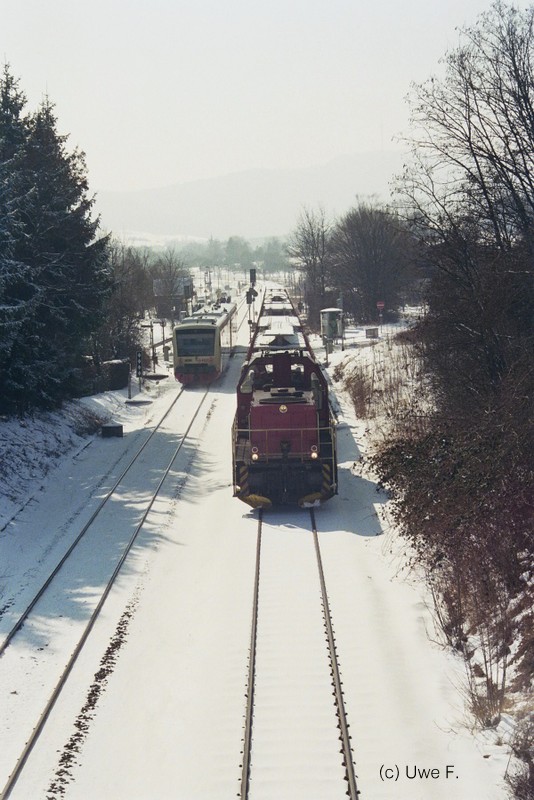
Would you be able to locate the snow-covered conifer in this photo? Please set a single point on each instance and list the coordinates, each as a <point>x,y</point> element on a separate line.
<point>62,265</point>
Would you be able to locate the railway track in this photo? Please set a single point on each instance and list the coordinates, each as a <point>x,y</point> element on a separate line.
<point>55,583</point>
<point>17,625</point>
<point>6,638</point>
<point>290,657</point>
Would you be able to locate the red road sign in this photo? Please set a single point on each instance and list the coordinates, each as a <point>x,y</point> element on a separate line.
<point>380,305</point>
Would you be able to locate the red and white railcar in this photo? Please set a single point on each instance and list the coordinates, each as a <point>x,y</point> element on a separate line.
<point>284,448</point>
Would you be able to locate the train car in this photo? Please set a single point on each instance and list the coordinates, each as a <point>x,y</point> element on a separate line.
<point>202,343</point>
<point>283,436</point>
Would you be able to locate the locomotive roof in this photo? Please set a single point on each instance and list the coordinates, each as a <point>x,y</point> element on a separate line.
<point>281,333</point>
<point>276,309</point>
<point>271,340</point>
<point>287,322</point>
<point>268,346</point>
<point>277,294</point>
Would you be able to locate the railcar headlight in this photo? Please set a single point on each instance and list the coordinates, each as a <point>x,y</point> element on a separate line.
<point>255,456</point>
<point>314,454</point>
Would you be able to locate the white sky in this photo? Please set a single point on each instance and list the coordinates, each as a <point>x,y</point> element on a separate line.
<point>157,92</point>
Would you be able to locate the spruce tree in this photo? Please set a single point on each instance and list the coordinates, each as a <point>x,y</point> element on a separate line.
<point>62,267</point>
<point>62,250</point>
<point>17,288</point>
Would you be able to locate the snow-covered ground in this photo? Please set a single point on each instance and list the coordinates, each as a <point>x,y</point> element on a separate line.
<point>167,720</point>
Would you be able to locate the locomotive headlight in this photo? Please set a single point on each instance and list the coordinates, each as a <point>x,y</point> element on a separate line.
<point>255,456</point>
<point>314,453</point>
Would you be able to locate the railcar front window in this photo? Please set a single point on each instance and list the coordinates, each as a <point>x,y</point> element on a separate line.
<point>195,343</point>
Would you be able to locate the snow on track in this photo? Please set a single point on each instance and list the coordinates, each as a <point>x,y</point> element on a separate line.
<point>169,724</point>
<point>59,619</point>
<point>295,739</point>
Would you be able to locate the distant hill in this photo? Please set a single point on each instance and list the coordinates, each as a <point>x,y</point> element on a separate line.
<point>253,204</point>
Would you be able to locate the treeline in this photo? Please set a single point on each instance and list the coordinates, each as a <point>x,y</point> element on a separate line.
<point>237,253</point>
<point>366,256</point>
<point>54,273</point>
<point>462,479</point>
<point>71,298</point>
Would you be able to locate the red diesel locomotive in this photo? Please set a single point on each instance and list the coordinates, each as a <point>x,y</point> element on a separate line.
<point>284,448</point>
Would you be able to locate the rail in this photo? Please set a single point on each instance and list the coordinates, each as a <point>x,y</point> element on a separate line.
<point>62,680</point>
<point>346,748</point>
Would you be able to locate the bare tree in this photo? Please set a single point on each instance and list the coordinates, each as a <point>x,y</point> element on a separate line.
<point>308,249</point>
<point>169,273</point>
<point>370,254</point>
<point>463,489</point>
<point>119,335</point>
<point>473,140</point>
<point>470,189</point>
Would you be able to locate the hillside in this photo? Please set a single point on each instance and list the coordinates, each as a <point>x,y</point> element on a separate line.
<point>255,203</point>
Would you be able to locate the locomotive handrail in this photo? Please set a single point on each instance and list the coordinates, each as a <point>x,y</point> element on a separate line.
<point>244,434</point>
<point>288,457</point>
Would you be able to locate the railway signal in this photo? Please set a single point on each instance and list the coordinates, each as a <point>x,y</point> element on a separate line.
<point>380,306</point>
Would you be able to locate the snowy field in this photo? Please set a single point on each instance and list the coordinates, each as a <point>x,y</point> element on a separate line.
<point>168,720</point>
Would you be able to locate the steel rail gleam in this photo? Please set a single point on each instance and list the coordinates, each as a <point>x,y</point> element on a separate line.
<point>20,621</point>
<point>4,643</point>
<point>247,770</point>
<point>35,733</point>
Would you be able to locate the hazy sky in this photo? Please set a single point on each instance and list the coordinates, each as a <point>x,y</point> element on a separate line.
<point>158,92</point>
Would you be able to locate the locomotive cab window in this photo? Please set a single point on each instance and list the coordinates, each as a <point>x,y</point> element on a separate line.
<point>195,343</point>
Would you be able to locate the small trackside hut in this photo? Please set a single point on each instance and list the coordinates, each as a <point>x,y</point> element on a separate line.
<point>202,344</point>
<point>283,437</point>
